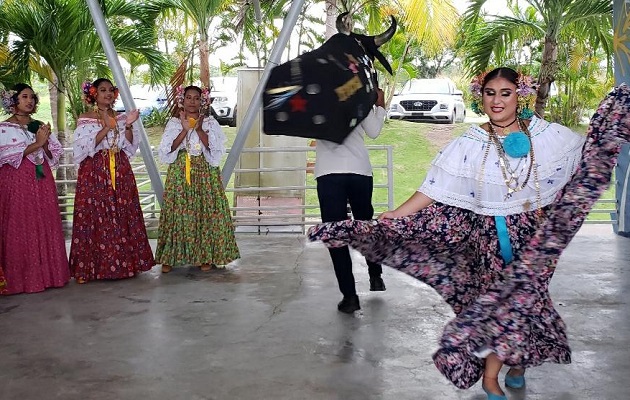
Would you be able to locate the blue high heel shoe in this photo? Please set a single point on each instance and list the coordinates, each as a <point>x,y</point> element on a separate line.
<point>515,382</point>
<point>492,396</point>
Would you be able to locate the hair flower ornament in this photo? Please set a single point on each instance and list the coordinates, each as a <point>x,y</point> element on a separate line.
<point>180,92</point>
<point>525,90</point>
<point>7,100</point>
<point>90,91</point>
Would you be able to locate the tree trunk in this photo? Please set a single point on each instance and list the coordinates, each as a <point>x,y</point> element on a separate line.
<point>52,93</point>
<point>548,69</point>
<point>204,65</point>
<point>62,187</point>
<point>391,87</point>
<point>331,18</point>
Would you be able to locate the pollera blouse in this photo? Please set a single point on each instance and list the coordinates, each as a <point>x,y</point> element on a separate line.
<point>212,154</point>
<point>15,138</point>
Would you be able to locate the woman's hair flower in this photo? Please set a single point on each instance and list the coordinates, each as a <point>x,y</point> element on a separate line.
<point>180,93</point>
<point>525,90</point>
<point>8,100</point>
<point>90,91</point>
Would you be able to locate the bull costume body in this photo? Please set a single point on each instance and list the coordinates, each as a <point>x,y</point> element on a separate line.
<point>327,92</point>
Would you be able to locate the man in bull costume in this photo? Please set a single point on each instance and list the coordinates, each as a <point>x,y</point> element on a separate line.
<point>332,94</point>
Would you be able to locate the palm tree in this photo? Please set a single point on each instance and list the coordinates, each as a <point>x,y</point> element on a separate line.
<point>202,13</point>
<point>426,27</point>
<point>56,39</point>
<point>545,22</point>
<point>430,24</point>
<point>60,36</point>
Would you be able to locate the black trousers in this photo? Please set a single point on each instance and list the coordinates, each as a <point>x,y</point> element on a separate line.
<point>335,191</point>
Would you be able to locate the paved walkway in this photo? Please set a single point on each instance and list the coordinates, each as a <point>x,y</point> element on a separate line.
<point>267,328</point>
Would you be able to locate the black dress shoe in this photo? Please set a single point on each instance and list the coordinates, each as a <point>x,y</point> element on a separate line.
<point>349,304</point>
<point>377,284</point>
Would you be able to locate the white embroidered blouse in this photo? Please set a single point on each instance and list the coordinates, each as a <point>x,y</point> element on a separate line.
<point>15,138</point>
<point>85,146</point>
<point>454,177</point>
<point>212,154</point>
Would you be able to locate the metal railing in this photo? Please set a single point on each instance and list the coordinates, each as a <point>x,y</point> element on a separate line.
<point>265,218</point>
<point>258,217</point>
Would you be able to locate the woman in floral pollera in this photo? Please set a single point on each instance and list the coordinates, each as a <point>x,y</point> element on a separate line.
<point>109,239</point>
<point>487,226</point>
<point>195,223</point>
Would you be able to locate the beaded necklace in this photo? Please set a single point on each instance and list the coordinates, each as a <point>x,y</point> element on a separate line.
<point>503,127</point>
<point>511,176</point>
<point>112,144</point>
<point>192,123</point>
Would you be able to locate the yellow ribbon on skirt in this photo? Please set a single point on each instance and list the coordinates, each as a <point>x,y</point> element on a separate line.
<point>191,122</point>
<point>188,168</point>
<point>112,167</point>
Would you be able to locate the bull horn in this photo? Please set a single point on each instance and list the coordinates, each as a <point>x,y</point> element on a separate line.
<point>384,37</point>
<point>344,23</point>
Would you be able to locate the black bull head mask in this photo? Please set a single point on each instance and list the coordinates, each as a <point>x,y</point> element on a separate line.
<point>327,92</point>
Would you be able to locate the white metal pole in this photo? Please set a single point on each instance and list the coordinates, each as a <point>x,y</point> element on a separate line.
<point>127,98</point>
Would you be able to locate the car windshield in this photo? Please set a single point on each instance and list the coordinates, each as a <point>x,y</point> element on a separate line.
<point>426,86</point>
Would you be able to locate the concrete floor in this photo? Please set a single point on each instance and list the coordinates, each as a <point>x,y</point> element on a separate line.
<point>268,328</point>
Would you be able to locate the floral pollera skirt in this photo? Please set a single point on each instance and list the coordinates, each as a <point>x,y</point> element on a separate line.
<point>505,309</point>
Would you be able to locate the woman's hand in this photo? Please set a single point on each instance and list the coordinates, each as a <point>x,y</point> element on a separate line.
<point>199,123</point>
<point>388,215</point>
<point>132,116</point>
<point>42,135</point>
<point>184,121</point>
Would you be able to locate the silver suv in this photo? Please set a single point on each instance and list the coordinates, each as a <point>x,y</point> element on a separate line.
<point>429,100</point>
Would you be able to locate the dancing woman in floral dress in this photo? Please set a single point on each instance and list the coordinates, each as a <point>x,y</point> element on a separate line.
<point>488,224</point>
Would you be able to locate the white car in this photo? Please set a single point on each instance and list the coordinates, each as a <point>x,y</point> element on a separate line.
<point>224,98</point>
<point>146,99</point>
<point>429,100</point>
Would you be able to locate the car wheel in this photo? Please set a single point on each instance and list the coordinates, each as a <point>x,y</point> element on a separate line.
<point>232,122</point>
<point>452,119</point>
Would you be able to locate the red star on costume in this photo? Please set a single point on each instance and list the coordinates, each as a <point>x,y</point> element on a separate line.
<point>297,103</point>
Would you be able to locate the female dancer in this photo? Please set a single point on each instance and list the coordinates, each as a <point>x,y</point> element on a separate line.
<point>487,226</point>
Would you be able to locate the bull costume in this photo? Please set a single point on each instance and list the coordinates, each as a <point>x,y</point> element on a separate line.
<point>502,308</point>
<point>331,94</point>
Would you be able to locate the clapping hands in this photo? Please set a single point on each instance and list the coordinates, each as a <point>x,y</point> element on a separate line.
<point>43,133</point>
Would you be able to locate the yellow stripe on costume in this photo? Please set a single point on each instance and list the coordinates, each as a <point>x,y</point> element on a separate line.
<point>112,167</point>
<point>188,168</point>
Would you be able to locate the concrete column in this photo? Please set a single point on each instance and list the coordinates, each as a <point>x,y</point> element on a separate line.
<point>248,79</point>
